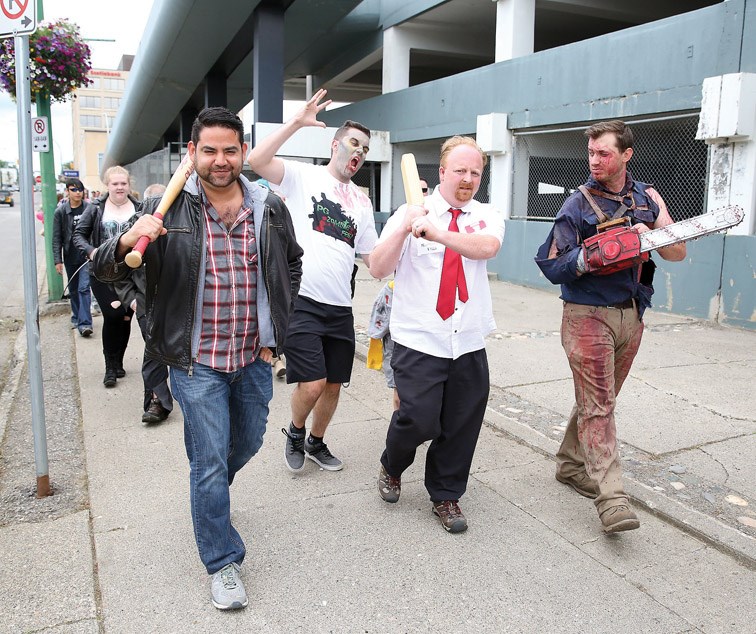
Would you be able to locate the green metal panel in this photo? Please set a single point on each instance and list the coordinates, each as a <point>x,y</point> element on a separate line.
<point>715,266</point>
<point>739,282</point>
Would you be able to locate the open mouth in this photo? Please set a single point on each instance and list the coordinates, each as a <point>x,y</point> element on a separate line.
<point>354,163</point>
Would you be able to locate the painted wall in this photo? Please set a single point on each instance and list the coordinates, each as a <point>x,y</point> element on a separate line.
<point>717,280</point>
<point>557,86</point>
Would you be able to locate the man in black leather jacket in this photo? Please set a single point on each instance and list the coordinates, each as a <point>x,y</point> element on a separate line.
<point>65,253</point>
<point>222,273</point>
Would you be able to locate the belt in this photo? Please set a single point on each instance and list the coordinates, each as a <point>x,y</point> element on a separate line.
<point>628,303</point>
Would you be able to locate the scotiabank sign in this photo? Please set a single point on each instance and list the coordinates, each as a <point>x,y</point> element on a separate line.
<point>104,73</point>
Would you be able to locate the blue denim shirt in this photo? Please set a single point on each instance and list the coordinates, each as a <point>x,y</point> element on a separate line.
<point>577,221</point>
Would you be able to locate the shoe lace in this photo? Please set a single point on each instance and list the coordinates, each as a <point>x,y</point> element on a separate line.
<point>390,480</point>
<point>323,450</point>
<point>297,441</point>
<point>228,578</point>
<point>451,509</point>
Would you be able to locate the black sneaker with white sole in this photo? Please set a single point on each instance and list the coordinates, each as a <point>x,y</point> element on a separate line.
<point>318,452</point>
<point>294,450</point>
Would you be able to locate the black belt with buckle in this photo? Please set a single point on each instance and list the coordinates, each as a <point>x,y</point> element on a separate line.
<point>628,303</point>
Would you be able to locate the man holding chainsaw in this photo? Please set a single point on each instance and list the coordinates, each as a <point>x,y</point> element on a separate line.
<point>593,253</point>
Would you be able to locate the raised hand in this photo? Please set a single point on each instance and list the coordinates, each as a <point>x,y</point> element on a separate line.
<point>307,116</point>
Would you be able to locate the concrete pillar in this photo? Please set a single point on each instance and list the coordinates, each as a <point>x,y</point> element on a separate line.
<point>728,125</point>
<point>268,64</point>
<point>515,28</point>
<point>186,119</point>
<point>386,182</point>
<point>495,139</point>
<point>396,59</point>
<point>215,90</point>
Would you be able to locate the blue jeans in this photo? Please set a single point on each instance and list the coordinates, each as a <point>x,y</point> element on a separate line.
<point>78,290</point>
<point>224,421</point>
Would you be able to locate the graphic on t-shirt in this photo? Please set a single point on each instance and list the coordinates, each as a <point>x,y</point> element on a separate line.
<point>329,218</point>
<point>112,228</point>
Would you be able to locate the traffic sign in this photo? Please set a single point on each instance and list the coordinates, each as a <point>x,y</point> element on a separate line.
<point>71,173</point>
<point>38,179</point>
<point>17,17</point>
<point>40,130</point>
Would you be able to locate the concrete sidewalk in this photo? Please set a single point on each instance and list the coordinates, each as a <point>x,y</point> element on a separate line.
<point>326,554</point>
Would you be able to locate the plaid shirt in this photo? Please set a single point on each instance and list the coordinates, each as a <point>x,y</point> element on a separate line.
<point>229,337</point>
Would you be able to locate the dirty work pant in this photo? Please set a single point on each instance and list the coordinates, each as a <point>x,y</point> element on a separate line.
<point>225,414</point>
<point>442,400</point>
<point>601,343</point>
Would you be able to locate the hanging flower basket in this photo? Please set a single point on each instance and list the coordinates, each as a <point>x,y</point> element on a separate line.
<point>58,61</point>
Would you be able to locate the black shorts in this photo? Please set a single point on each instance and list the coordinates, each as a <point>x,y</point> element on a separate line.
<point>319,342</point>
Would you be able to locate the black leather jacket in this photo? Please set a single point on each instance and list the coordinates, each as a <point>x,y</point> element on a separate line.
<point>65,221</point>
<point>172,267</point>
<point>88,233</point>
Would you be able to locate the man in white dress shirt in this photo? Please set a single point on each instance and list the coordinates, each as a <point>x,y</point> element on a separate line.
<point>440,318</point>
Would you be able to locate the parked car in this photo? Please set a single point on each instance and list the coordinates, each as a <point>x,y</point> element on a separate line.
<point>6,198</point>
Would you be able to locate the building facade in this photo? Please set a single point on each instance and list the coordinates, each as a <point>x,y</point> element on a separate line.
<point>94,112</point>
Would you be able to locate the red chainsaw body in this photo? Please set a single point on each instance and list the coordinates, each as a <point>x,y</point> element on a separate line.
<point>613,250</point>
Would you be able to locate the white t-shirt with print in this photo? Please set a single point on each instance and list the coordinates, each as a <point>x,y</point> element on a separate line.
<point>332,222</point>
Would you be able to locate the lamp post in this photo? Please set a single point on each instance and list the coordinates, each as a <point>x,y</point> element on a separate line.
<point>49,193</point>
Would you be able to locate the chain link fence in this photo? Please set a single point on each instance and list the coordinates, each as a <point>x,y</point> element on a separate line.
<point>549,165</point>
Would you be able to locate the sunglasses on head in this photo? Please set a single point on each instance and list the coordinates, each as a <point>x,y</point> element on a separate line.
<point>76,189</point>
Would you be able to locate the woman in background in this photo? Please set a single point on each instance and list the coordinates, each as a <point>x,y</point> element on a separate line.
<point>108,216</point>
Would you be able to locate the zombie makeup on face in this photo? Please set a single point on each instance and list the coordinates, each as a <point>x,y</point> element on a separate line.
<point>606,162</point>
<point>350,153</point>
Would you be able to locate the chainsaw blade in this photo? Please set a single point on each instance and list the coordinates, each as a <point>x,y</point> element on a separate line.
<point>692,228</point>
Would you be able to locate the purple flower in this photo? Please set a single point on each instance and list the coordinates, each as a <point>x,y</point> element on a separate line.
<point>59,61</point>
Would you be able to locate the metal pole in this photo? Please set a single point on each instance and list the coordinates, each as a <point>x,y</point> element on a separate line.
<point>31,292</point>
<point>49,193</point>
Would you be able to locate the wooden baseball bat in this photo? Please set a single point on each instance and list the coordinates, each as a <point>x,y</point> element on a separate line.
<point>413,192</point>
<point>175,185</point>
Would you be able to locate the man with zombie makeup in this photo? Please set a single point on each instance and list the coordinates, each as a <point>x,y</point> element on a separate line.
<point>333,221</point>
<point>440,317</point>
<point>602,322</point>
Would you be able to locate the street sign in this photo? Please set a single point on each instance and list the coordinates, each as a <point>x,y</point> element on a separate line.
<point>40,130</point>
<point>17,17</point>
<point>38,179</point>
<point>71,173</point>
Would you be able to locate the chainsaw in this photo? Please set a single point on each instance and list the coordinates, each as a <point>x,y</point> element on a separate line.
<point>617,246</point>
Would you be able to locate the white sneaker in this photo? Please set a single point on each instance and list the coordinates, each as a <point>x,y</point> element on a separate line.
<point>279,368</point>
<point>227,589</point>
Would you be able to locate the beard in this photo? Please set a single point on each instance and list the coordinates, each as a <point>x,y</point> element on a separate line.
<point>218,178</point>
<point>463,194</point>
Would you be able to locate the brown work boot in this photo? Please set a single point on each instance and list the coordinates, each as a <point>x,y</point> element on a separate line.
<point>450,515</point>
<point>619,518</point>
<point>581,482</point>
<point>389,487</point>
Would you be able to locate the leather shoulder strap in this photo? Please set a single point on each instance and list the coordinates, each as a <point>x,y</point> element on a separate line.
<point>596,209</point>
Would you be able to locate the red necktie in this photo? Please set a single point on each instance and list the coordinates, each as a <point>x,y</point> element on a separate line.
<point>452,276</point>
